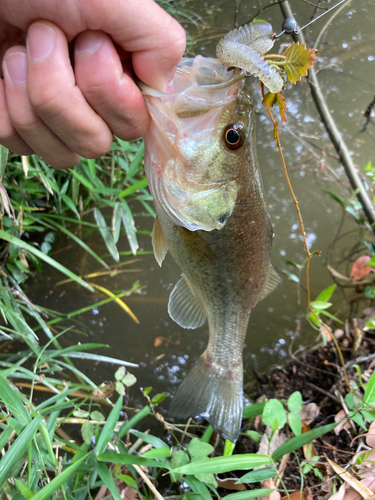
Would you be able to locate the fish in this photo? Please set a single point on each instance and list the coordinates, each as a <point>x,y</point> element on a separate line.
<point>203,172</point>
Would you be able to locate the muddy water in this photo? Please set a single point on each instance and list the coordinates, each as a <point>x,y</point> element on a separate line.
<point>347,75</point>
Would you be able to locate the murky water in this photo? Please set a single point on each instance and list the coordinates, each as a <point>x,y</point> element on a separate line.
<point>347,75</point>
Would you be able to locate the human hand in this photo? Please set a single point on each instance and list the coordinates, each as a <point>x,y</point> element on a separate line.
<point>61,110</point>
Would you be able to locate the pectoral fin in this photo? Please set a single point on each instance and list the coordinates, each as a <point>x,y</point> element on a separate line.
<point>158,242</point>
<point>273,281</point>
<point>183,306</point>
<point>195,245</point>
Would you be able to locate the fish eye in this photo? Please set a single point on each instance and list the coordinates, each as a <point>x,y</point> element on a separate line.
<point>234,136</point>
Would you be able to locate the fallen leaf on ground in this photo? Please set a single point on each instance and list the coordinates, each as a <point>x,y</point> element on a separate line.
<point>275,495</point>
<point>339,495</point>
<point>267,448</point>
<point>309,413</point>
<point>370,436</point>
<point>352,494</point>
<point>229,483</point>
<point>339,333</point>
<point>351,480</point>
<point>297,495</point>
<point>344,424</point>
<point>309,450</point>
<point>367,467</point>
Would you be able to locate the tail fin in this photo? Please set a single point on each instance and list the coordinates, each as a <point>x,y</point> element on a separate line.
<point>212,393</point>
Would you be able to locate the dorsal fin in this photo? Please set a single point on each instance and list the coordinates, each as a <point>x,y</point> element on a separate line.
<point>158,242</point>
<point>183,306</point>
<point>272,282</point>
<point>195,245</point>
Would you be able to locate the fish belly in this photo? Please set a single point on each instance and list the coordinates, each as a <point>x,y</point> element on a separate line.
<point>226,271</point>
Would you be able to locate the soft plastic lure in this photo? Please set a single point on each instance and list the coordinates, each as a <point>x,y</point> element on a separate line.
<point>244,48</point>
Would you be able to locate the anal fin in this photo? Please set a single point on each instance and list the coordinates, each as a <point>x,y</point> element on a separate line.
<point>184,308</point>
<point>158,242</point>
<point>272,282</point>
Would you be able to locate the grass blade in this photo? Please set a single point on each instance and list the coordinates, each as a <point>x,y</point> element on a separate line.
<point>106,235</point>
<point>119,301</point>
<point>129,226</point>
<point>245,495</point>
<point>258,475</point>
<point>298,441</point>
<point>125,428</point>
<point>253,410</point>
<point>122,458</point>
<point>135,187</point>
<point>9,395</point>
<point>108,428</point>
<point>58,481</point>
<point>107,479</point>
<point>219,465</point>
<point>18,448</point>
<point>34,251</point>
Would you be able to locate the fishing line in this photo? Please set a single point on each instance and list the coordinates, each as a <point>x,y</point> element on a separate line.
<point>289,25</point>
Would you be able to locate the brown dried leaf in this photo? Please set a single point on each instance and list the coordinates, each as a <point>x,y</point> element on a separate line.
<point>282,106</point>
<point>267,448</point>
<point>229,483</point>
<point>309,413</point>
<point>295,496</point>
<point>360,269</point>
<point>159,341</point>
<point>309,450</point>
<point>352,494</point>
<point>350,479</point>
<point>370,436</point>
<point>275,495</point>
<point>298,60</point>
<point>339,495</point>
<point>342,425</point>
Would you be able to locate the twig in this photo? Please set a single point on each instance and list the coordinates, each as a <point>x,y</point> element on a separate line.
<point>146,479</point>
<point>319,389</point>
<point>334,133</point>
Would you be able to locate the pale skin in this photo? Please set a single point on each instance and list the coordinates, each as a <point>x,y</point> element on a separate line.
<point>67,82</point>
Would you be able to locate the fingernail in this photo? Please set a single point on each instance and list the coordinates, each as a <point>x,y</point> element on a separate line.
<point>88,42</point>
<point>40,41</point>
<point>16,67</point>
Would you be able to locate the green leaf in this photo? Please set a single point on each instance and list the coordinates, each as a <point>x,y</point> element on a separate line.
<point>255,436</point>
<point>158,453</point>
<point>295,423</point>
<point>97,415</point>
<point>120,373</point>
<point>207,435</point>
<point>18,448</point>
<point>116,221</point>
<point>69,203</point>
<point>125,428</point>
<point>258,475</point>
<point>369,396</point>
<point>122,458</point>
<point>370,323</point>
<point>198,448</point>
<point>47,442</point>
<point>52,262</point>
<point>295,402</point>
<point>138,157</point>
<point>371,262</point>
<point>218,465</point>
<point>135,187</point>
<point>107,431</point>
<point>107,479</point>
<point>326,294</point>
<point>274,414</point>
<point>158,398</point>
<point>4,152</point>
<point>319,305</point>
<point>253,410</point>
<point>335,197</point>
<point>129,226</point>
<point>291,276</point>
<point>81,413</point>
<point>87,431</point>
<point>298,441</point>
<point>26,492</point>
<point>128,480</point>
<point>228,448</point>
<point>129,380</point>
<point>245,495</point>
<point>150,439</point>
<point>58,481</point>
<point>106,235</point>
<point>10,396</point>
<point>179,459</point>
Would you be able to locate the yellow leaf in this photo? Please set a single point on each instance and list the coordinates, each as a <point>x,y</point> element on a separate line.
<point>298,60</point>
<point>269,100</point>
<point>350,479</point>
